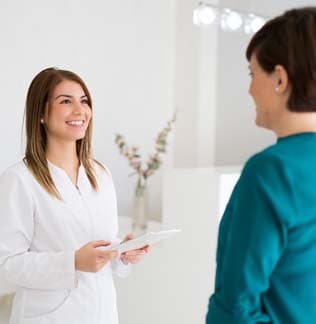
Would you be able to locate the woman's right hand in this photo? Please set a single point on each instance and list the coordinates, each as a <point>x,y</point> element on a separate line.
<point>90,259</point>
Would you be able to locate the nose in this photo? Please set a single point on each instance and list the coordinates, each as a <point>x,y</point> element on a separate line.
<point>78,109</point>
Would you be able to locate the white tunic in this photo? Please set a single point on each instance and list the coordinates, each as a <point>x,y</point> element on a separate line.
<point>38,237</point>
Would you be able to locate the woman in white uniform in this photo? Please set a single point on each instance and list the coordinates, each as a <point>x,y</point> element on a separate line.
<point>57,208</point>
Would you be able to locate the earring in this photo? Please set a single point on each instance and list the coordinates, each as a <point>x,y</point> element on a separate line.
<point>42,121</point>
<point>277,89</point>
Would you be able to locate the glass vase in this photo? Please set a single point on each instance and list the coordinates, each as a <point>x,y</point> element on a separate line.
<point>140,207</point>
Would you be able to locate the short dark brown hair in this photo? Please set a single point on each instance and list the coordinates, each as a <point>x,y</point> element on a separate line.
<point>289,40</point>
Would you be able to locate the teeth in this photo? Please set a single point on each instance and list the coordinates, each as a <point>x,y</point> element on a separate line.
<point>75,122</point>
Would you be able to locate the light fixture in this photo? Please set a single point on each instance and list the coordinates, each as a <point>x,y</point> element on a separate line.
<point>229,19</point>
<point>253,23</point>
<point>204,15</point>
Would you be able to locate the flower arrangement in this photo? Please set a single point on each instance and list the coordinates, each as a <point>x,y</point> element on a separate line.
<point>154,160</point>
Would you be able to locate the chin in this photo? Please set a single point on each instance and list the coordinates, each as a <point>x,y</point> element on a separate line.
<point>76,137</point>
<point>260,123</point>
<point>257,121</point>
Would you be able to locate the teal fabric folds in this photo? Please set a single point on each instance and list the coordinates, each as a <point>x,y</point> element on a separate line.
<point>266,253</point>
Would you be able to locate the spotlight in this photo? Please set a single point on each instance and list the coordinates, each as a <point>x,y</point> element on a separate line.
<point>204,15</point>
<point>231,20</point>
<point>253,23</point>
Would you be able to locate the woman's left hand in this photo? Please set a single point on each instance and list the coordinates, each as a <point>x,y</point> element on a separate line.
<point>133,256</point>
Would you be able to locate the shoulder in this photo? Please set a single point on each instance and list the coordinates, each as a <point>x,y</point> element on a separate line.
<point>267,170</point>
<point>268,180</point>
<point>101,170</point>
<point>15,171</point>
<point>15,178</point>
<point>267,161</point>
<point>100,167</point>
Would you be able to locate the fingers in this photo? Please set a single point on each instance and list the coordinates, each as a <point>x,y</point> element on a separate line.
<point>104,255</point>
<point>134,255</point>
<point>96,244</point>
<point>108,255</point>
<point>135,252</point>
<point>132,258</point>
<point>129,237</point>
<point>146,248</point>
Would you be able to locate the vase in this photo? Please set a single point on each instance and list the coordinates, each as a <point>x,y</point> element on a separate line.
<point>140,208</point>
<point>5,307</point>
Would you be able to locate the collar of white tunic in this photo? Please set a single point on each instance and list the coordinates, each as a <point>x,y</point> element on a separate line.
<point>63,181</point>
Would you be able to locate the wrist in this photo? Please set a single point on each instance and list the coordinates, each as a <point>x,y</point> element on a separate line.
<point>76,260</point>
<point>123,260</point>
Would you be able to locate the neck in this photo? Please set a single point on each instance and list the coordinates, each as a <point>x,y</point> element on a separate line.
<point>62,154</point>
<point>295,122</point>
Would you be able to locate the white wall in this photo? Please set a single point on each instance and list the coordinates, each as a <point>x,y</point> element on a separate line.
<point>195,89</point>
<point>124,50</point>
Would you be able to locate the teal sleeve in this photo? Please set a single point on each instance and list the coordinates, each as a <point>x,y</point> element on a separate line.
<point>252,236</point>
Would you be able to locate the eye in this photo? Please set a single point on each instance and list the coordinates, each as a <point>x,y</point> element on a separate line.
<point>65,101</point>
<point>85,101</point>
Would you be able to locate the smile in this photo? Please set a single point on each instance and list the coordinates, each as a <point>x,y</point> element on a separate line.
<point>75,122</point>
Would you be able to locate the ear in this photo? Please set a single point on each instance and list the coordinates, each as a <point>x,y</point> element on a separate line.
<point>281,79</point>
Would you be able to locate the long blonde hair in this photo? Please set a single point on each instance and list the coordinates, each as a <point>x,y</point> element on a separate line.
<point>39,93</point>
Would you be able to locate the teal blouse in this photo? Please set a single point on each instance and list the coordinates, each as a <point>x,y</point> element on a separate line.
<point>266,252</point>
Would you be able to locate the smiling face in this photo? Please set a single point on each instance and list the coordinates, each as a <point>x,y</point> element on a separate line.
<point>67,113</point>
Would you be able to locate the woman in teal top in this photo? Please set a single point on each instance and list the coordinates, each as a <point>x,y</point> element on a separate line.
<point>266,254</point>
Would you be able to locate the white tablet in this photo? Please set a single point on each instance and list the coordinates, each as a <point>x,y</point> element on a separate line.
<point>150,238</point>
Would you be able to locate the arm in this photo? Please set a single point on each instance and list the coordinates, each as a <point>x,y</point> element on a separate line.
<point>255,231</point>
<point>19,265</point>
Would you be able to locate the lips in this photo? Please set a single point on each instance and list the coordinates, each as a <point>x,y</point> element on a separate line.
<point>75,122</point>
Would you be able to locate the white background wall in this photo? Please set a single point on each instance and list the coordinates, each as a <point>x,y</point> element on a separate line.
<point>124,50</point>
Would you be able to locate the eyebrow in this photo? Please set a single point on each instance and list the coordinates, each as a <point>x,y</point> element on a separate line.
<point>68,96</point>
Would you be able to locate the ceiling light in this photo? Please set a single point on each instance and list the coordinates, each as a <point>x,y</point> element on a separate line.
<point>204,15</point>
<point>231,20</point>
<point>253,23</point>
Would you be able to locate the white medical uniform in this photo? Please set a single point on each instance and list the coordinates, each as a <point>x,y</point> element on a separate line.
<point>38,237</point>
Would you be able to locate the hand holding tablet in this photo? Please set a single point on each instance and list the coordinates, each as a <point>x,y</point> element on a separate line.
<point>150,239</point>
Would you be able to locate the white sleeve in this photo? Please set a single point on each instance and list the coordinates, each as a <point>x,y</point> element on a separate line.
<point>19,265</point>
<point>118,267</point>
